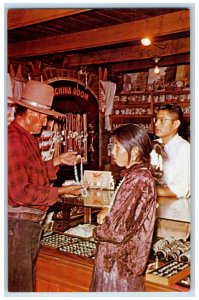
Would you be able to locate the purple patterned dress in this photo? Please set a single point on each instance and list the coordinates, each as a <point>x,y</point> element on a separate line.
<point>125,236</point>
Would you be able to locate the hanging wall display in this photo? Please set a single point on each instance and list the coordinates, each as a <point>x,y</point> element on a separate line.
<point>135,82</point>
<point>164,80</point>
<point>67,134</point>
<point>80,105</point>
<point>183,76</point>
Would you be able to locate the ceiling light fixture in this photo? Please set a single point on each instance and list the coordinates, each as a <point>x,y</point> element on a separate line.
<point>156,69</point>
<point>146,42</point>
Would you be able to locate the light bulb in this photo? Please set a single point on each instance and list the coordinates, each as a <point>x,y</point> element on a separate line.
<point>156,70</point>
<point>146,41</point>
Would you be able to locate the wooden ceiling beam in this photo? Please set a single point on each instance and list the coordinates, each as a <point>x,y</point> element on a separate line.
<point>24,17</point>
<point>132,31</point>
<point>146,64</point>
<point>166,48</point>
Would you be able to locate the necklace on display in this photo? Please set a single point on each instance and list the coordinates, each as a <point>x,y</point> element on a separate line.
<point>84,191</point>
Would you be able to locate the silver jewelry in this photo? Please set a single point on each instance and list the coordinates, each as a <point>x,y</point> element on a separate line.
<point>185,257</point>
<point>76,174</point>
<point>84,191</point>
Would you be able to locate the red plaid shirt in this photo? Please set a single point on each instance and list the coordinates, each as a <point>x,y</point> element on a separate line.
<point>28,176</point>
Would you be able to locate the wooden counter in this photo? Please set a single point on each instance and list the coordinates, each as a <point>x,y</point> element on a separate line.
<point>60,272</point>
<point>65,272</point>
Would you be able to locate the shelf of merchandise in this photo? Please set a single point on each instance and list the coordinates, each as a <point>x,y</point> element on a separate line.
<point>124,108</point>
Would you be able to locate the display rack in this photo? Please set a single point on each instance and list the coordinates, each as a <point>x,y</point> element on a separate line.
<point>141,107</point>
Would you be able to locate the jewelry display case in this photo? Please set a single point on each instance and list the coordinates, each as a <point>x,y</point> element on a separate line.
<point>169,273</point>
<point>170,259</point>
<point>72,256</point>
<point>173,218</point>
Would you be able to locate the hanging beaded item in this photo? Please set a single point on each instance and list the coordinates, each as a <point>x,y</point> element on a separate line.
<point>84,191</point>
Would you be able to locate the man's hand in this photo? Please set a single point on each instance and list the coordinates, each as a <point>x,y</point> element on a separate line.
<point>68,158</point>
<point>70,190</point>
<point>102,214</point>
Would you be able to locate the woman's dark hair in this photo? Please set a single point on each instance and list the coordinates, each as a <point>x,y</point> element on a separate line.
<point>132,135</point>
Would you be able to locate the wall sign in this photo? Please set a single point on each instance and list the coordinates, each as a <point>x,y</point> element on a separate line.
<point>68,90</point>
<point>71,95</point>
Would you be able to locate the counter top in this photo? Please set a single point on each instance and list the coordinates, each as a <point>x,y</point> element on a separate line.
<point>170,208</point>
<point>96,198</point>
<point>177,209</point>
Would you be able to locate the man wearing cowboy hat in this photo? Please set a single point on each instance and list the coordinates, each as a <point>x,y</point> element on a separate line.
<point>29,190</point>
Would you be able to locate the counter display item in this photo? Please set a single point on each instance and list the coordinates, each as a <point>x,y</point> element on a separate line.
<point>171,249</point>
<point>82,230</point>
<point>55,240</point>
<point>169,273</point>
<point>185,257</point>
<point>83,248</point>
<point>69,244</point>
<point>185,282</point>
<point>99,179</point>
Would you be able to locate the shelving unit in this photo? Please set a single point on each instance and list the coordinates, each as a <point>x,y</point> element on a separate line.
<point>141,107</point>
<point>133,107</point>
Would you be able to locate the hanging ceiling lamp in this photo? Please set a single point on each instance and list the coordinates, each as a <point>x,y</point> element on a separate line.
<point>156,69</point>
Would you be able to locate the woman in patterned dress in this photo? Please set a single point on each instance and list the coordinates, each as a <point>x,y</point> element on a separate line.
<point>125,235</point>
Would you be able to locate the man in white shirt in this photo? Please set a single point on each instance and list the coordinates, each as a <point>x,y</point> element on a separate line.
<point>176,168</point>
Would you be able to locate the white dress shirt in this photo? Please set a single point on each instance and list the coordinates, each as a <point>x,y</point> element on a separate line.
<point>176,168</point>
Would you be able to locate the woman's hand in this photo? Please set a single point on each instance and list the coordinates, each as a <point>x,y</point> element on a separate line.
<point>70,190</point>
<point>68,158</point>
<point>102,214</point>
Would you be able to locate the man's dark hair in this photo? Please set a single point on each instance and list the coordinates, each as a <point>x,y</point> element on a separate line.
<point>20,110</point>
<point>173,108</point>
<point>177,111</point>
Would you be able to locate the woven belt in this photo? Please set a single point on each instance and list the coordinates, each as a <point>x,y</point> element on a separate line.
<point>30,215</point>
